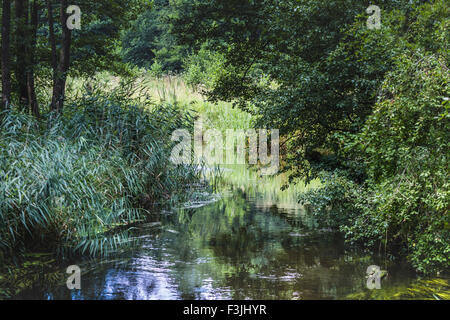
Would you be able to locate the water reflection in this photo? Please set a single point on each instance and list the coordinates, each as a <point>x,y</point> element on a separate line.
<point>241,247</point>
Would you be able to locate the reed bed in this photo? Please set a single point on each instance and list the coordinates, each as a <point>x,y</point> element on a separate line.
<point>76,183</point>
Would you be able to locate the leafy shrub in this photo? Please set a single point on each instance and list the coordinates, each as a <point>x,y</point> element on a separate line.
<point>203,69</point>
<point>404,204</point>
<point>334,203</point>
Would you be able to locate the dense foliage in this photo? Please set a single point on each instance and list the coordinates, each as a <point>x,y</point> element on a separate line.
<point>403,148</point>
<point>82,169</point>
<point>69,183</point>
<point>363,109</point>
<point>407,146</point>
<point>148,43</point>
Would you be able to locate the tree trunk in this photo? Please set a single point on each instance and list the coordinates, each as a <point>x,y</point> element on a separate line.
<point>21,53</point>
<point>59,86</point>
<point>33,104</point>
<point>6,71</point>
<point>52,39</point>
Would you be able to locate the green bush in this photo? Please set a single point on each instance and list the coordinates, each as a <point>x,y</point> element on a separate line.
<point>148,40</point>
<point>407,143</point>
<point>403,206</point>
<point>334,203</point>
<point>203,69</point>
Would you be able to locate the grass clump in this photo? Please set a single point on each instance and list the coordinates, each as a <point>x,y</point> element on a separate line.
<point>74,184</point>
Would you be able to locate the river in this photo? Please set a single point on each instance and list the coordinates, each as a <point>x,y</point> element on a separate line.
<point>255,242</point>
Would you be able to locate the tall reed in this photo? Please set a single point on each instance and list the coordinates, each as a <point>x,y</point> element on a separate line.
<point>69,183</point>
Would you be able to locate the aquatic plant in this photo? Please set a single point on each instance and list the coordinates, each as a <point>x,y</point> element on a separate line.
<point>77,182</point>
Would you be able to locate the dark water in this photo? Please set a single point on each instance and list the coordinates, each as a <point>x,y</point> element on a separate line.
<point>240,247</point>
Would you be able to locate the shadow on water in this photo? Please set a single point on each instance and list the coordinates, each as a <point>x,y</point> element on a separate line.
<point>254,243</point>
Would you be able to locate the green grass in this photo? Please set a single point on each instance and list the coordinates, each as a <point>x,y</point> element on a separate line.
<point>75,183</point>
<point>170,89</point>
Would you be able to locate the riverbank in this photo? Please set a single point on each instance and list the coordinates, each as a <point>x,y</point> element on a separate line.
<point>252,242</point>
<point>73,184</point>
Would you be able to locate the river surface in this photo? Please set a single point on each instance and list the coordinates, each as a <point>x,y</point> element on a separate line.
<point>253,243</point>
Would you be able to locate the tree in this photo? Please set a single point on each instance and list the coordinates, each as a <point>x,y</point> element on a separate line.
<point>406,142</point>
<point>59,85</point>
<point>92,49</point>
<point>52,39</point>
<point>148,40</point>
<point>6,73</point>
<point>282,64</point>
<point>32,99</point>
<point>36,61</point>
<point>22,51</point>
